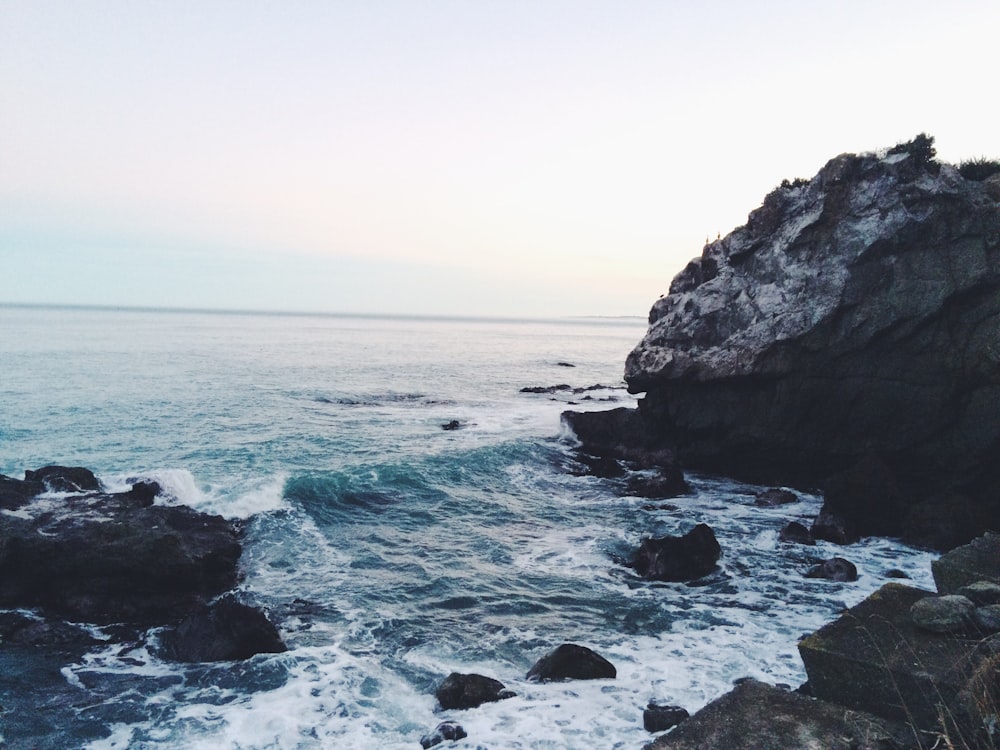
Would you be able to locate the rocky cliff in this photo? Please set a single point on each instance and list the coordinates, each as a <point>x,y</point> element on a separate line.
<point>855,314</point>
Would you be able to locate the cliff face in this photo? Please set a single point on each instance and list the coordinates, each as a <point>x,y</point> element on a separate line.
<point>857,313</point>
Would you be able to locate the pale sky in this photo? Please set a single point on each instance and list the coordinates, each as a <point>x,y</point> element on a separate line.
<point>534,158</point>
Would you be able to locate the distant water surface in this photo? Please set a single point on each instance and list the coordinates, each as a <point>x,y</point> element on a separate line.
<point>390,550</point>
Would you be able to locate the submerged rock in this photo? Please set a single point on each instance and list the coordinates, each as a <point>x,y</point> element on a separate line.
<point>775,496</point>
<point>470,690</point>
<point>572,662</point>
<point>795,533</point>
<point>663,483</point>
<point>681,558</point>
<point>853,315</point>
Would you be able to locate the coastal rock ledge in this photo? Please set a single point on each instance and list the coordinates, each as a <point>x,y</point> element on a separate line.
<point>856,314</point>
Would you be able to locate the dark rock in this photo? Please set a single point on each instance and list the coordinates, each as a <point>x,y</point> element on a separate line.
<point>950,613</point>
<point>572,662</point>
<point>987,619</point>
<point>620,433</point>
<point>853,315</point>
<point>64,478</point>
<point>981,593</point>
<point>22,630</point>
<point>665,482</point>
<point>775,496</point>
<point>678,558</point>
<point>225,630</point>
<point>875,658</point>
<point>867,499</point>
<point>446,731</point>
<point>604,467</point>
<point>550,389</point>
<point>896,573</point>
<point>755,716</point>
<point>565,364</point>
<point>795,533</point>
<point>658,718</point>
<point>107,559</point>
<point>470,690</point>
<point>979,560</point>
<point>452,425</point>
<point>834,569</point>
<point>941,523</point>
<point>144,492</point>
<point>832,528</point>
<point>16,493</point>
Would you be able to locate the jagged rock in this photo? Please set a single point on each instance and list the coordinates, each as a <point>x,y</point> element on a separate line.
<point>470,690</point>
<point>572,662</point>
<point>16,493</point>
<point>795,533</point>
<point>665,482</point>
<point>604,467</point>
<point>832,528</point>
<point>446,731</point>
<point>658,718</point>
<point>23,630</point>
<point>621,433</point>
<point>225,630</point>
<point>102,558</point>
<point>681,558</point>
<point>549,389</point>
<point>979,560</point>
<point>775,496</point>
<point>853,314</point>
<point>943,614</point>
<point>834,569</point>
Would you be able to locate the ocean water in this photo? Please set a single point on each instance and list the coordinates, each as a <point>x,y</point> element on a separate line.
<point>389,550</point>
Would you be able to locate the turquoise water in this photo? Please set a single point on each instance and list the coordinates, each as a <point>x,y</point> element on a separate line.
<point>391,551</point>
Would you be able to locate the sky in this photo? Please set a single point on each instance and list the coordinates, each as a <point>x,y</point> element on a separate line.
<point>516,158</point>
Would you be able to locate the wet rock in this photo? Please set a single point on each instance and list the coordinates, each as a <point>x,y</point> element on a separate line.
<point>663,483</point>
<point>795,533</point>
<point>64,478</point>
<point>16,493</point>
<point>832,528</point>
<point>446,731</point>
<point>950,613</point>
<point>834,569</point>
<point>775,496</point>
<point>106,558</point>
<point>549,389</point>
<point>896,573</point>
<point>867,500</point>
<point>604,467</point>
<point>22,630</point>
<point>941,523</point>
<point>459,691</point>
<point>225,630</point>
<point>678,558</point>
<point>571,662</point>
<point>658,718</point>
<point>452,425</point>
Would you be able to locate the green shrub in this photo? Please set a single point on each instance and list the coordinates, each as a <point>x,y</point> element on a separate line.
<point>920,148</point>
<point>978,169</point>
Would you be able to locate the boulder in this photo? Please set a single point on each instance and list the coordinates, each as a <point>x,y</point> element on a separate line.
<point>663,483</point>
<point>950,613</point>
<point>225,630</point>
<point>658,718</point>
<point>64,478</point>
<point>572,662</point>
<point>987,619</point>
<point>446,731</point>
<point>681,558</point>
<point>981,593</point>
<point>459,691</point>
<point>979,560</point>
<point>795,533</point>
<point>775,496</point>
<point>853,315</point>
<point>834,569</point>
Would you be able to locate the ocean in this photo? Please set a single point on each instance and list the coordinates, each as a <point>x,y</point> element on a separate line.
<point>392,551</point>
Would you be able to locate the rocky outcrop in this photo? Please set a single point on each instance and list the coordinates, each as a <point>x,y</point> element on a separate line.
<point>70,551</point>
<point>855,314</point>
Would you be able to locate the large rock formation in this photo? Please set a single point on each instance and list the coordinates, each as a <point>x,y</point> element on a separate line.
<point>854,314</point>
